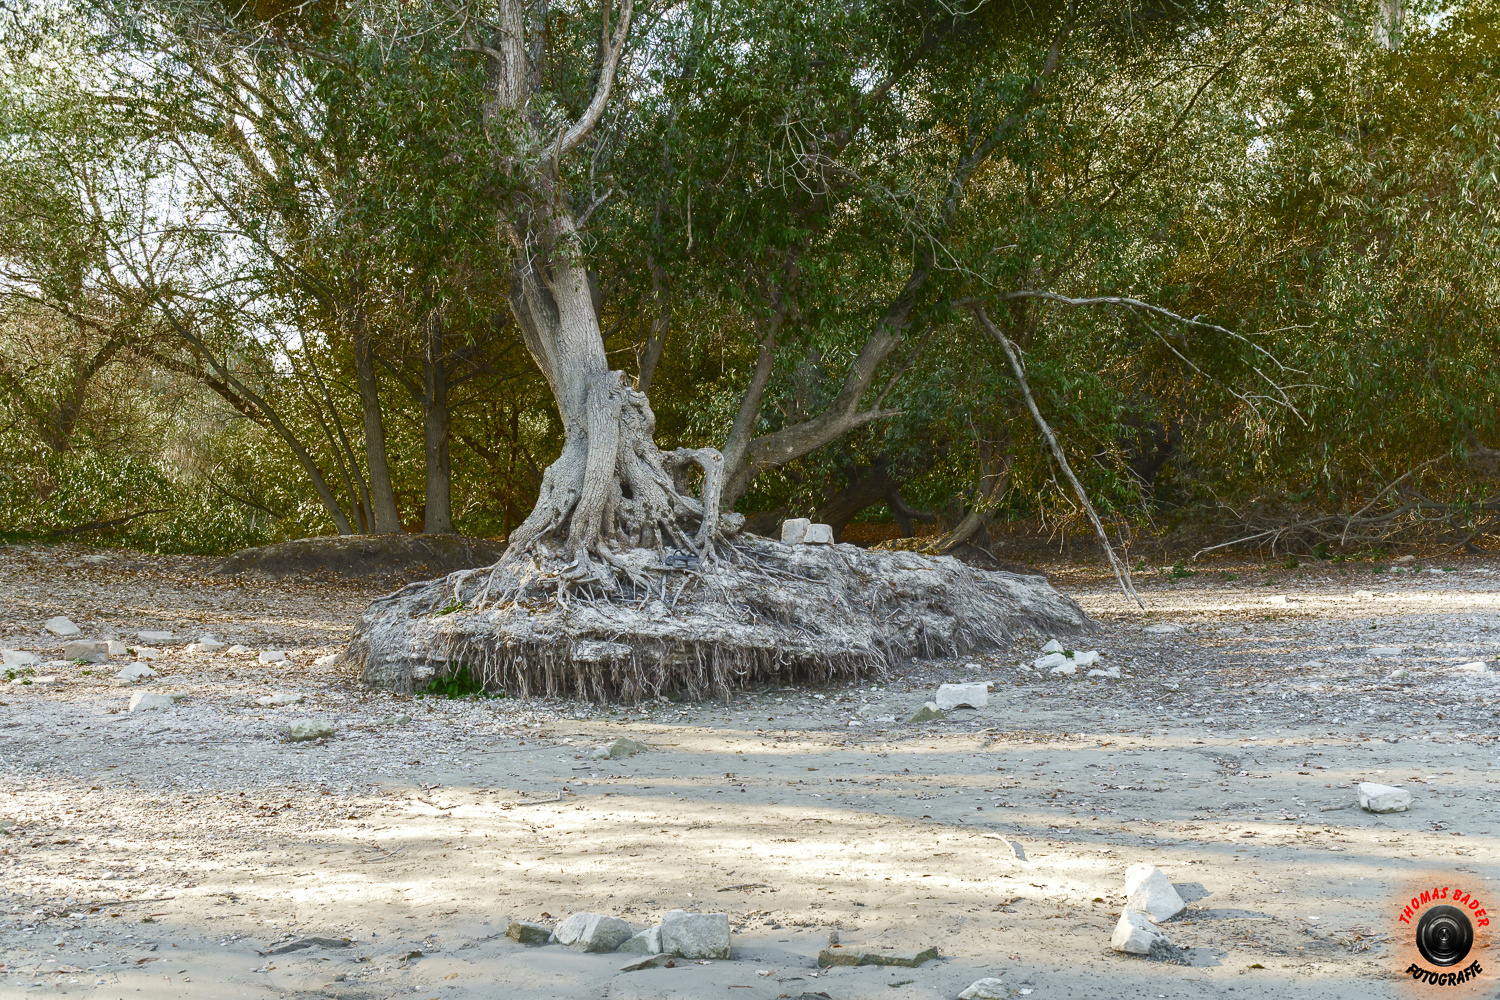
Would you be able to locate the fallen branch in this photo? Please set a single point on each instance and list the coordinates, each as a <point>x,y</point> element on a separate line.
<point>1122,572</point>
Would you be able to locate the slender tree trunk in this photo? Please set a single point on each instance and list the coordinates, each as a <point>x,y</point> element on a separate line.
<point>382,497</point>
<point>438,519</point>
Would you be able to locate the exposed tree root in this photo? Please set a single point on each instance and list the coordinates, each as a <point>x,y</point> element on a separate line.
<point>755,611</point>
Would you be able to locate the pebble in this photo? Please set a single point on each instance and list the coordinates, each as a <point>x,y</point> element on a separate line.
<point>818,534</point>
<point>86,650</point>
<point>135,673</point>
<point>1387,650</point>
<point>61,625</point>
<point>309,729</point>
<point>1377,798</point>
<point>281,698</point>
<point>19,658</point>
<point>237,650</point>
<point>988,988</point>
<point>929,712</point>
<point>695,935</point>
<point>622,747</point>
<point>1135,934</point>
<point>1053,646</point>
<point>272,656</point>
<point>526,932</point>
<point>1149,891</point>
<point>1161,629</point>
<point>1111,672</point>
<point>1477,667</point>
<point>147,635</point>
<point>951,696</point>
<point>149,701</point>
<point>205,645</point>
<point>593,932</point>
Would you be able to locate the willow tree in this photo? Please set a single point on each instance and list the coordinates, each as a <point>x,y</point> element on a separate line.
<point>627,579</point>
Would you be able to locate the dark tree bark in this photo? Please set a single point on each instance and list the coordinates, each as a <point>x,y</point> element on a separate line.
<point>386,519</point>
<point>438,519</point>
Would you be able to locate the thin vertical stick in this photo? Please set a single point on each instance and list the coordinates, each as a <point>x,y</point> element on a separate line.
<point>1122,572</point>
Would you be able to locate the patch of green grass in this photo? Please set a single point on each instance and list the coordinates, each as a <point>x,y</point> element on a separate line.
<point>461,683</point>
<point>1179,571</point>
<point>451,607</point>
<point>1290,562</point>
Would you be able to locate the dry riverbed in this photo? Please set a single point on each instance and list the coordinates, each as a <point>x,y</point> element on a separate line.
<point>178,853</point>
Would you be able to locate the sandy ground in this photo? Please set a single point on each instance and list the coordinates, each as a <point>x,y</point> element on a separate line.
<point>176,853</point>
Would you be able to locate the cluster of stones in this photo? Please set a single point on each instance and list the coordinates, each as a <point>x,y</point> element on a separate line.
<point>680,934</point>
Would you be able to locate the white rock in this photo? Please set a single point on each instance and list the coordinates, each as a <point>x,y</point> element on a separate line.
<point>148,701</point>
<point>1087,659</point>
<point>1135,934</point>
<point>146,635</point>
<point>45,681</point>
<point>794,530</point>
<point>1277,599</point>
<point>1387,650</point>
<point>1112,672</point>
<point>135,673</point>
<point>272,656</point>
<point>1477,667</point>
<point>1053,646</point>
<point>1161,629</point>
<point>205,646</point>
<point>1378,798</point>
<point>19,658</point>
<point>1064,669</point>
<point>147,653</point>
<point>985,989</point>
<point>646,942</point>
<point>1049,661</point>
<point>309,729</point>
<point>1402,560</point>
<point>592,932</point>
<point>61,626</point>
<point>951,696</point>
<point>237,650</point>
<point>324,661</point>
<point>115,647</point>
<point>281,698</point>
<point>695,935</point>
<point>1313,664</point>
<point>1368,595</point>
<point>818,534</point>
<point>1149,891</point>
<point>86,650</point>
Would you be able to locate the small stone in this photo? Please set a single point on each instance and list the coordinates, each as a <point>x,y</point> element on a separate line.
<point>205,645</point>
<point>1065,668</point>
<point>87,650</point>
<point>147,653</point>
<point>526,932</point>
<point>951,696</point>
<point>115,647</point>
<point>396,720</point>
<point>1276,599</point>
<point>148,701</point>
<point>1387,650</point>
<point>19,658</point>
<point>1148,891</point>
<point>1312,664</point>
<point>929,712</point>
<point>664,961</point>
<point>1112,672</point>
<point>1135,934</point>
<point>1378,798</point>
<point>794,530</point>
<point>1477,667</point>
<point>324,661</point>
<point>624,747</point>
<point>985,989</point>
<point>62,626</point>
<point>149,636</point>
<point>309,729</point>
<point>135,673</point>
<point>1050,660</point>
<point>1087,659</point>
<point>644,942</point>
<point>1053,646</point>
<point>1403,560</point>
<point>906,959</point>
<point>1161,629</point>
<point>272,656</point>
<point>592,932</point>
<point>695,935</point>
<point>236,650</point>
<point>281,698</point>
<point>1368,595</point>
<point>818,534</point>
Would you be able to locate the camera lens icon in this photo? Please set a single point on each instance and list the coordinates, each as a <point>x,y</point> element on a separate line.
<point>1444,935</point>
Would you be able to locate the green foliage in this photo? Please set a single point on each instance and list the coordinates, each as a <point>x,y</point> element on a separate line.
<point>459,683</point>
